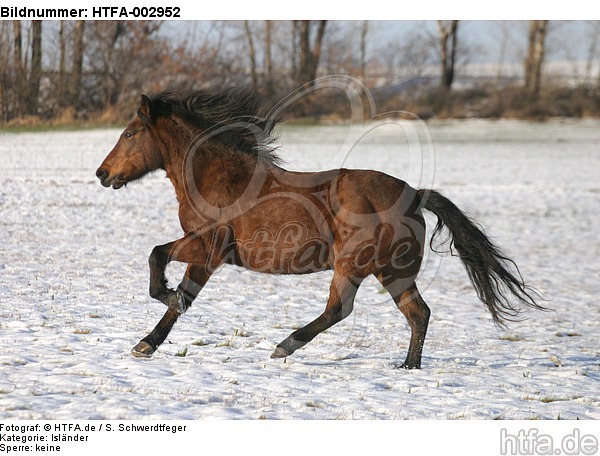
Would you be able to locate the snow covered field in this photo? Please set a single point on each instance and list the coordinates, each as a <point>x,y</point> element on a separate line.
<point>74,275</point>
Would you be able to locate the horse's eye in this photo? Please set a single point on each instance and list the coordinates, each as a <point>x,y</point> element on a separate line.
<point>128,135</point>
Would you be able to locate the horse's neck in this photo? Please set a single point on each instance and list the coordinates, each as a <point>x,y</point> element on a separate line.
<point>218,178</point>
<point>174,168</point>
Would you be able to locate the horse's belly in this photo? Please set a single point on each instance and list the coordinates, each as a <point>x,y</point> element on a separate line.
<point>289,250</point>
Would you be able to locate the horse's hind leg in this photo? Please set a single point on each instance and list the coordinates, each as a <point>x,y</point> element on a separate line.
<point>339,306</point>
<point>194,279</point>
<point>411,304</point>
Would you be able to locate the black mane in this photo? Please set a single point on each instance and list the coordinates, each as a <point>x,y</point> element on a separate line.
<point>237,118</point>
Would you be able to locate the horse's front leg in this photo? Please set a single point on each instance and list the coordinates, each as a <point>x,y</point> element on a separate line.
<point>159,258</point>
<point>194,279</point>
<point>190,249</point>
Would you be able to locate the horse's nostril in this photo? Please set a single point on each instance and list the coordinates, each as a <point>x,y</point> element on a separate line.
<point>101,173</point>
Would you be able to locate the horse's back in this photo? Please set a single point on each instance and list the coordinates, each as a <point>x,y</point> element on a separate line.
<point>357,190</point>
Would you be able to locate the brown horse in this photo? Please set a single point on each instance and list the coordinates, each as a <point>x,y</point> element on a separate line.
<point>238,206</point>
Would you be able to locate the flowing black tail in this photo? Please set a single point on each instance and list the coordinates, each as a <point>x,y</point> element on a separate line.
<point>494,276</point>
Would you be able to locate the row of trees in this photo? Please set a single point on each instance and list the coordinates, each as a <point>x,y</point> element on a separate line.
<point>52,68</point>
<point>93,70</point>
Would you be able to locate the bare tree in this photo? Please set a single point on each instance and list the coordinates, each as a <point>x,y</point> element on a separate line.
<point>448,45</point>
<point>252,50</point>
<point>18,47</point>
<point>19,67</point>
<point>35,73</point>
<point>363,49</point>
<point>77,63</point>
<point>592,50</point>
<point>309,50</point>
<point>535,57</point>
<point>5,78</point>
<point>407,57</point>
<point>123,58</point>
<point>503,40</point>
<point>62,71</point>
<point>269,57</point>
<point>294,49</point>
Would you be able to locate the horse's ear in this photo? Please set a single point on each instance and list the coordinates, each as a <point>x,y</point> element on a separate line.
<point>145,111</point>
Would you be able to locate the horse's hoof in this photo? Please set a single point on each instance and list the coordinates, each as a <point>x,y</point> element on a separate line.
<point>409,366</point>
<point>142,350</point>
<point>280,353</point>
<point>287,347</point>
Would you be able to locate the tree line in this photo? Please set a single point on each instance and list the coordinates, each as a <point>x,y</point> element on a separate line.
<point>93,71</point>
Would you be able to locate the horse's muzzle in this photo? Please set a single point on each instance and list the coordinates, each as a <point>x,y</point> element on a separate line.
<point>102,174</point>
<point>116,182</point>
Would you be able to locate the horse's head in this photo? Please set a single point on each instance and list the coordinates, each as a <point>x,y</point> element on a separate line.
<point>136,153</point>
